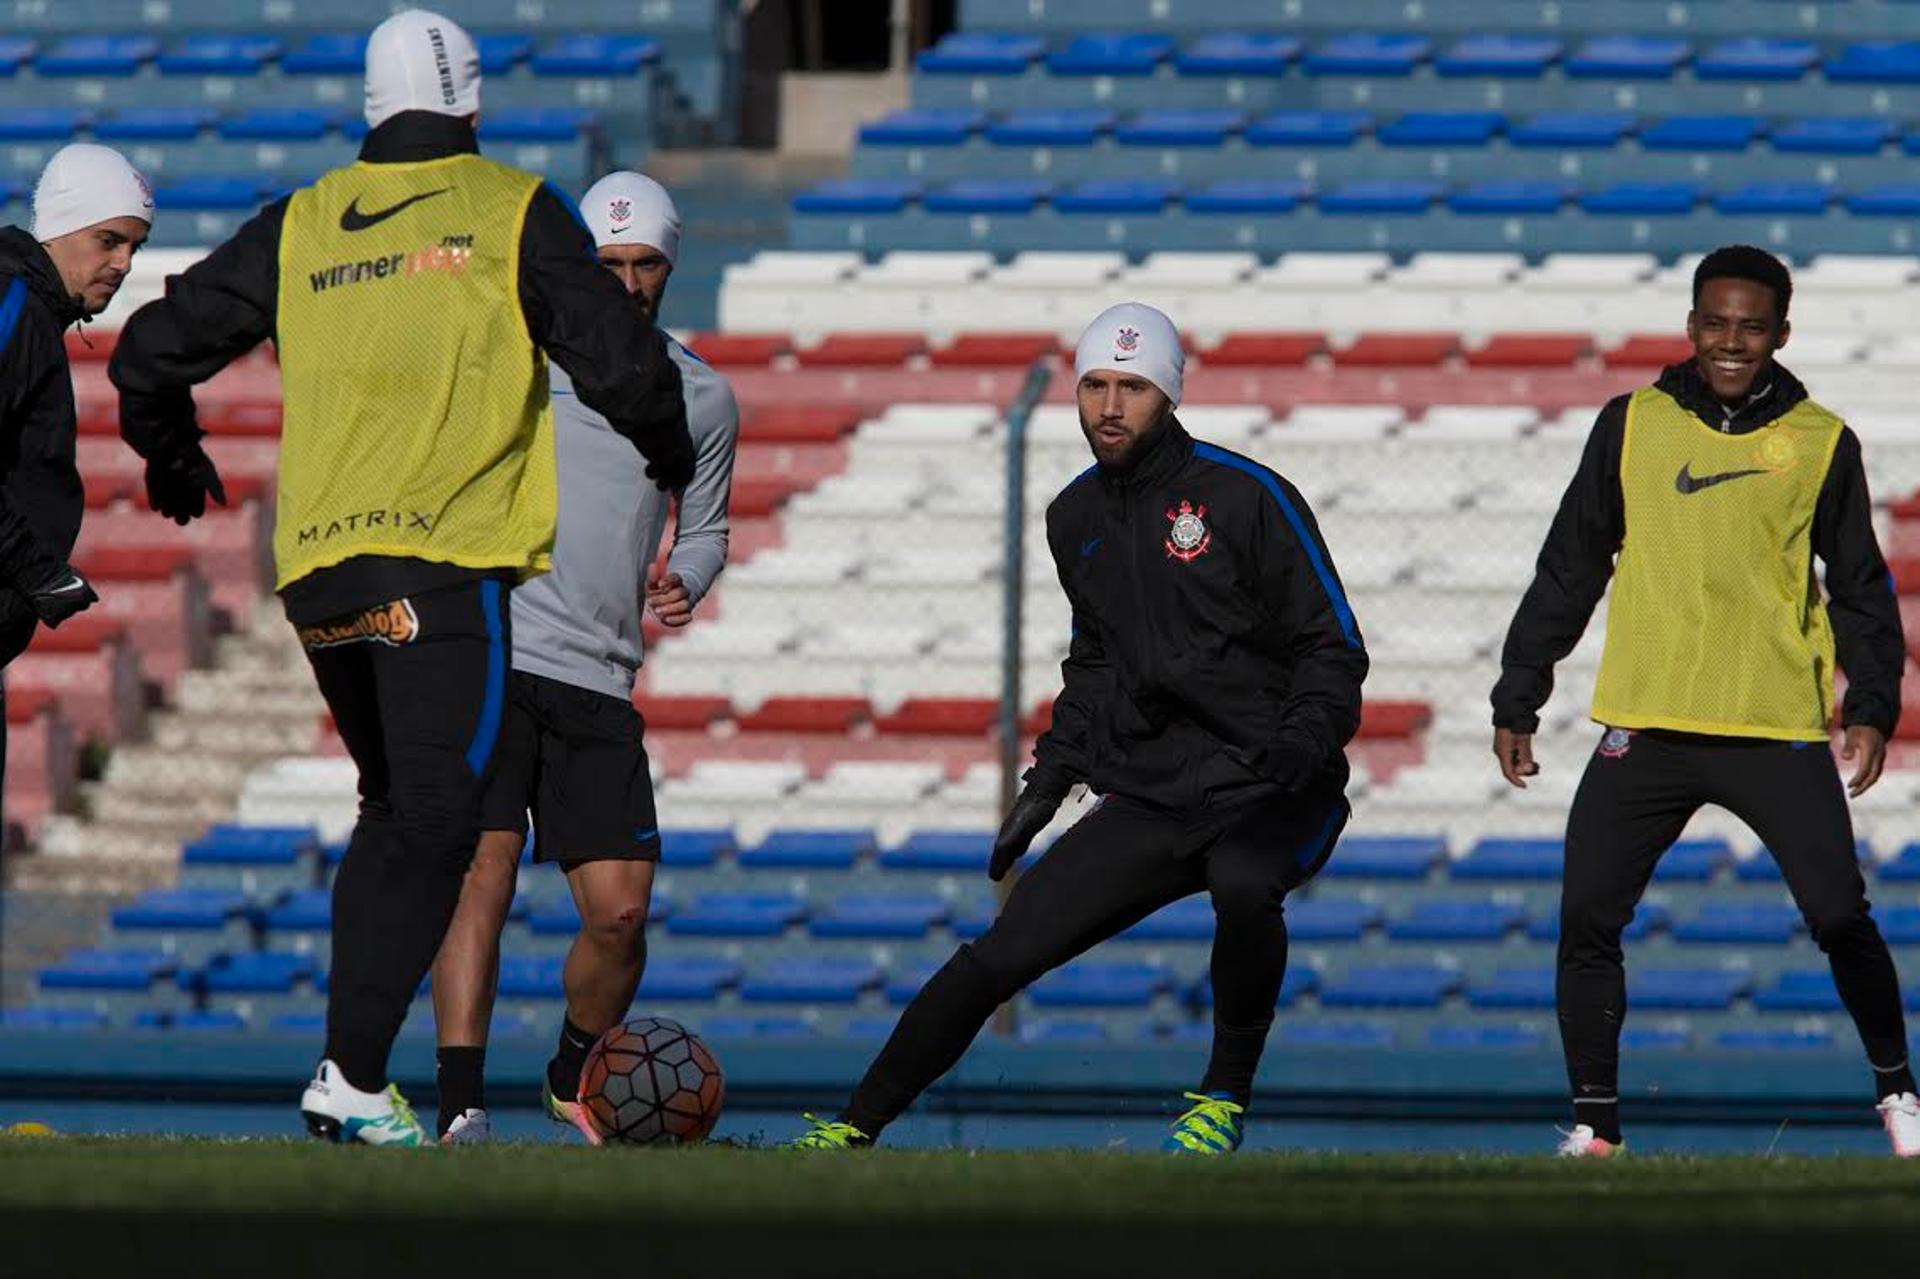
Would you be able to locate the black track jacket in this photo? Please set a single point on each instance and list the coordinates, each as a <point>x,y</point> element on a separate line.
<point>1214,653</point>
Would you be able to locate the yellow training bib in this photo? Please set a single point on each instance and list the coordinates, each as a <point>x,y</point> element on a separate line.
<point>1716,624</point>
<point>416,419</point>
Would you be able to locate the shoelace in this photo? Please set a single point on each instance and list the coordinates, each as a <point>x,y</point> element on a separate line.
<point>1221,1115</point>
<point>828,1133</point>
<point>401,1110</point>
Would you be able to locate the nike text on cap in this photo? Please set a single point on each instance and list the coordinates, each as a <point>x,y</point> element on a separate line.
<point>84,185</point>
<point>1134,338</point>
<point>631,208</point>
<point>420,61</point>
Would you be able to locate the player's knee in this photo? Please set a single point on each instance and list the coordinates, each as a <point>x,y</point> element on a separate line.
<point>1587,926</point>
<point>1847,927</point>
<point>1246,900</point>
<point>993,970</point>
<point>620,929</point>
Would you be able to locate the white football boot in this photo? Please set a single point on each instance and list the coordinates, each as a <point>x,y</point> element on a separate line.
<point>1580,1143</point>
<point>337,1111</point>
<point>470,1127</point>
<point>1900,1113</point>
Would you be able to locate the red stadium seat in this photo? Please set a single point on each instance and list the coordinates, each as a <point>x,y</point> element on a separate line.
<point>1393,719</point>
<point>1906,575</point>
<point>1905,508</point>
<point>258,418</point>
<point>682,713</point>
<point>91,347</point>
<point>30,704</point>
<point>162,600</point>
<point>1530,351</point>
<point>945,716</point>
<point>43,760</point>
<point>1263,350</point>
<point>764,495</point>
<point>806,715</point>
<point>739,350</point>
<point>87,633</point>
<point>1398,350</point>
<point>995,350</point>
<point>798,423</point>
<point>96,676</point>
<point>134,563</point>
<point>1039,719</point>
<point>862,350</point>
<point>1648,351</point>
<point>103,491</point>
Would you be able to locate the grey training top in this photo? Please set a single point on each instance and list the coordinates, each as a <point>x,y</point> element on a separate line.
<point>580,623</point>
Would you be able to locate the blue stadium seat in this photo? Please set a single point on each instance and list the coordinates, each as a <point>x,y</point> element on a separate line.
<point>538,976</point>
<point>336,53</point>
<point>1702,133</point>
<point>1692,861</point>
<point>1386,857</point>
<point>307,911</point>
<point>1572,130</point>
<point>1326,919</point>
<point>687,978</point>
<point>1334,1034</point>
<point>1064,1030</point>
<point>1888,200</point>
<point>263,845</point>
<point>1756,923</point>
<point>880,916</point>
<point>873,1028</point>
<point>1901,867</point>
<point>1441,129</point>
<point>181,910</point>
<point>535,124</point>
<point>1758,868</point>
<point>500,53</point>
<point>694,849</point>
<point>1071,128</point>
<point>1757,58</point>
<point>1093,983</point>
<point>922,127</point>
<point>299,1024</point>
<point>1391,986</point>
<point>1499,57</point>
<point>1308,129</point>
<point>1246,195</point>
<point>96,56</point>
<point>1875,62</point>
<point>1501,1037</point>
<point>262,972</point>
<point>1111,55</point>
<point>1116,195</point>
<point>1646,917</point>
<point>1763,1040</point>
<point>107,970</point>
<point>1185,128</point>
<point>1643,199</point>
<point>217,1019</point>
<point>54,1019</point>
<point>739,915</point>
<point>213,193</point>
<point>1368,55</point>
<point>16,51</point>
<point>981,53</point>
<point>857,195</point>
<point>1299,980</point>
<point>904,983</point>
<point>810,981</point>
<point>809,850</point>
<point>595,55</point>
<point>1624,57</point>
<point>970,922</point>
<point>1655,1039</point>
<point>278,124</point>
<point>153,124</point>
<point>11,191</point>
<point>1382,195</point>
<point>1234,54</point>
<point>558,918</point>
<point>1455,920</point>
<point>211,54</point>
<point>1900,925</point>
<point>1513,988</point>
<point>734,1026</point>
<point>40,124</point>
<point>1190,919</point>
<point>1519,859</point>
<point>1770,199</point>
<point>1510,198</point>
<point>1837,135</point>
<point>1691,989</point>
<point>941,850</point>
<point>987,195</point>
<point>1809,991</point>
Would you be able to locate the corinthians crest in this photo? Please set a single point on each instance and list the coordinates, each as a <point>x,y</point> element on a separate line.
<point>1189,537</point>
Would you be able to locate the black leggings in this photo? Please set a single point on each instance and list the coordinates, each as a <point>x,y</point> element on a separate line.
<point>420,718</point>
<point>1115,867</point>
<point>1632,806</point>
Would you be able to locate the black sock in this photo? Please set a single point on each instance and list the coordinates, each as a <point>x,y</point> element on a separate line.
<point>462,1075</point>
<point>1236,1056</point>
<point>1892,1079</point>
<point>1601,1116</point>
<point>569,1059</point>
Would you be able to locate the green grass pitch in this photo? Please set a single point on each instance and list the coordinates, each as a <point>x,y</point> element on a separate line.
<point>270,1208</point>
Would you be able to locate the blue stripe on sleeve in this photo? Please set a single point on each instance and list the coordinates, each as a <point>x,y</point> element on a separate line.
<point>11,305</point>
<point>1316,554</point>
<point>487,732</point>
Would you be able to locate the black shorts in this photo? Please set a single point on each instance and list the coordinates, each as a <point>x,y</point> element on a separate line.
<point>572,758</point>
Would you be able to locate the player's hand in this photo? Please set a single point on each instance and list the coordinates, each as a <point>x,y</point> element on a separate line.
<point>1515,753</point>
<point>1869,746</point>
<point>669,600</point>
<point>178,487</point>
<point>61,596</point>
<point>1026,819</point>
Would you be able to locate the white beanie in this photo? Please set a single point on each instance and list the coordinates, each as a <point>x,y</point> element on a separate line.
<point>1133,337</point>
<point>631,208</point>
<point>420,61</point>
<point>85,184</point>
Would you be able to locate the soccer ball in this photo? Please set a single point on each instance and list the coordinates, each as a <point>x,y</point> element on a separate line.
<point>652,1082</point>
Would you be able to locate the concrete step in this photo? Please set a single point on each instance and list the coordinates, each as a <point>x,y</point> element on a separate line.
<point>154,839</point>
<point>178,816</point>
<point>167,775</point>
<point>257,740</point>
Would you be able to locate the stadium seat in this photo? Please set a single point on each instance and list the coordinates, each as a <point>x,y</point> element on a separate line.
<point>1751,923</point>
<point>16,51</point>
<point>1520,859</point>
<point>1391,986</point>
<point>694,849</point>
<point>810,981</point>
<point>1513,988</point>
<point>1381,196</point>
<point>40,124</point>
<point>1236,54</point>
<point>1692,861</point>
<point>805,715</point>
<point>1642,199</point>
<point>277,124</point>
<point>1647,917</point>
<point>1264,350</point>
<point>1208,127</point>
<point>181,910</point>
<point>798,423</point>
<point>1743,1039</point>
<point>1398,350</point>
<point>207,194</point>
<point>594,55</point>
<point>309,910</point>
<point>1074,127</point>
<point>106,55</point>
<point>1530,351</point>
<point>1116,195</point>
<point>979,53</point>
<point>58,1020</point>
<point>1441,129</point>
<point>673,714</point>
<point>949,851</point>
<point>1308,129</point>
<point>740,350</point>
<point>336,54</point>
<point>1887,200</point>
<point>738,915</point>
<point>1756,58</point>
<point>1899,925</point>
<point>868,350</point>
<point>1092,983</point>
<point>733,1026</point>
<point>538,976</point>
<point>681,978</point>
<point>1330,919</point>
<point>1190,919</point>
<point>1771,199</point>
<point>1505,57</point>
<point>1498,1037</point>
<point>1110,55</point>
<point>1456,920</point>
<point>903,983</point>
<point>922,127</point>
<point>1701,133</point>
<point>1644,350</point>
<point>1625,57</point>
<point>153,124</point>
<point>808,850</point>
<point>500,53</point>
<point>559,918</point>
<point>1301,979</point>
<point>940,716</point>
<point>1246,195</point>
<point>880,916</point>
<point>1572,130</point>
<point>988,195</point>
<point>873,1029</point>
<point>994,350</point>
<point>535,124</point>
<point>1799,992</point>
<point>1760,868</point>
<point>268,972</point>
<point>1395,54</point>
<point>1855,135</point>
<point>857,195</point>
<point>1350,1035</point>
<point>1875,62</point>
<point>1062,1030</point>
<point>106,970</point>
<point>1685,989</point>
<point>1509,198</point>
<point>1386,857</point>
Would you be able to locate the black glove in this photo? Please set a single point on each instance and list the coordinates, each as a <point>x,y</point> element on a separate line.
<point>61,596</point>
<point>662,422</point>
<point>1027,818</point>
<point>670,462</point>
<point>178,487</point>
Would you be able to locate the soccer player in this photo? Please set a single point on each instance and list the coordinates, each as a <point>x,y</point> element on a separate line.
<point>570,743</point>
<point>1211,687</point>
<point>1715,488</point>
<point>414,298</point>
<point>91,213</point>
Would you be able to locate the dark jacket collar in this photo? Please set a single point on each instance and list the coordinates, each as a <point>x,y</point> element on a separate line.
<point>21,254</point>
<point>1780,393</point>
<point>1163,458</point>
<point>419,135</point>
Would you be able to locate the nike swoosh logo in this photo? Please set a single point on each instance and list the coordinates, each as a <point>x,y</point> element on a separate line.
<point>1688,483</point>
<point>67,587</point>
<point>1088,547</point>
<point>621,229</point>
<point>351,219</point>
<point>1121,359</point>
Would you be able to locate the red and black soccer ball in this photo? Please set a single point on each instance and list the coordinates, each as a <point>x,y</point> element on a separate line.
<point>652,1082</point>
